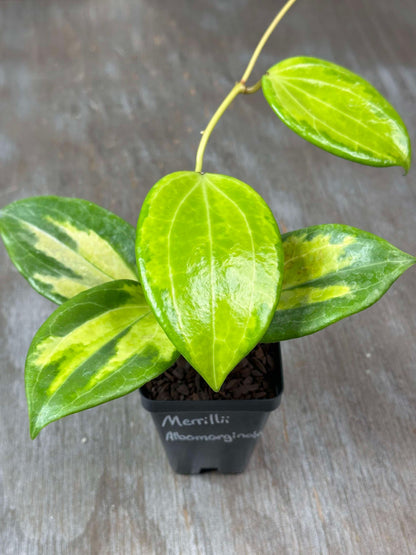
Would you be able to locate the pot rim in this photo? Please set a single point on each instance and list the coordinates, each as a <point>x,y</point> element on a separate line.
<point>213,405</point>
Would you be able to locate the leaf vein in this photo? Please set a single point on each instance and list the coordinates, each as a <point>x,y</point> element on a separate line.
<point>325,124</point>
<point>345,114</point>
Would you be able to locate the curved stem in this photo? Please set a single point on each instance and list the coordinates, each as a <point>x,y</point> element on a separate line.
<point>235,91</point>
<point>264,39</point>
<point>239,88</point>
<point>253,88</point>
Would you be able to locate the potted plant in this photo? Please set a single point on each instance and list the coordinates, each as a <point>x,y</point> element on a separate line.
<point>207,276</point>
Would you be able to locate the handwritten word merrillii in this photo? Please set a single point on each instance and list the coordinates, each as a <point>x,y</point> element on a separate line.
<point>208,420</point>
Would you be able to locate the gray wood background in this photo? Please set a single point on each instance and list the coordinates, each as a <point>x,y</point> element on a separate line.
<point>98,100</point>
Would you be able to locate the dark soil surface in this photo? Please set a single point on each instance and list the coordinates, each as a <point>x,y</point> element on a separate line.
<point>253,378</point>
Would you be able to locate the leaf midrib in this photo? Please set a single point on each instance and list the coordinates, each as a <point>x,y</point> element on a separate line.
<point>253,257</point>
<point>211,270</point>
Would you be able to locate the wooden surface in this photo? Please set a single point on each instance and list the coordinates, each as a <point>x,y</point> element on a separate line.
<point>99,99</point>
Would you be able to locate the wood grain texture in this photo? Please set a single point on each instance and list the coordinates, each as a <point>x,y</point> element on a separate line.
<point>99,99</point>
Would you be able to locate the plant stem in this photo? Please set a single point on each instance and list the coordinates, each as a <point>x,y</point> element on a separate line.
<point>239,87</point>
<point>236,90</point>
<point>264,39</point>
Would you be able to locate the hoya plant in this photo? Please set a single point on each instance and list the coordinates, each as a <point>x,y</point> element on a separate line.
<point>207,275</point>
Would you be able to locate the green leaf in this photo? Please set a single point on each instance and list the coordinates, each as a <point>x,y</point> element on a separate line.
<point>210,260</point>
<point>338,111</point>
<point>331,271</point>
<point>63,246</point>
<point>98,346</point>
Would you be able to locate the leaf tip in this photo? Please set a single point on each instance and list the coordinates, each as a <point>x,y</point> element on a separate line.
<point>34,429</point>
<point>407,260</point>
<point>412,260</point>
<point>38,421</point>
<point>406,164</point>
<point>405,147</point>
<point>215,382</point>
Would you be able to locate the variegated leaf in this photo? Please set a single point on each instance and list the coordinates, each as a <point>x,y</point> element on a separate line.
<point>98,346</point>
<point>63,246</point>
<point>338,111</point>
<point>330,272</point>
<point>210,260</point>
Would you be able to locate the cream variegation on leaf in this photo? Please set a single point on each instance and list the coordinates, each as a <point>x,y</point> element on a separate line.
<point>64,246</point>
<point>211,260</point>
<point>331,271</point>
<point>216,276</point>
<point>98,346</point>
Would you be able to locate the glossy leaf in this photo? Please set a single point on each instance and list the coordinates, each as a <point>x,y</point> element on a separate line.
<point>98,346</point>
<point>63,246</point>
<point>209,256</point>
<point>330,272</point>
<point>338,111</point>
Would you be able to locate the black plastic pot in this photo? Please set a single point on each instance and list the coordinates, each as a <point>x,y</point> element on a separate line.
<point>213,435</point>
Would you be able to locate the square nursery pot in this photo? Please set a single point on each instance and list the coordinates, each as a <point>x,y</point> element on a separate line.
<point>199,436</point>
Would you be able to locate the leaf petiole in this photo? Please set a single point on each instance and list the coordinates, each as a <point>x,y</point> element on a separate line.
<point>235,91</point>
